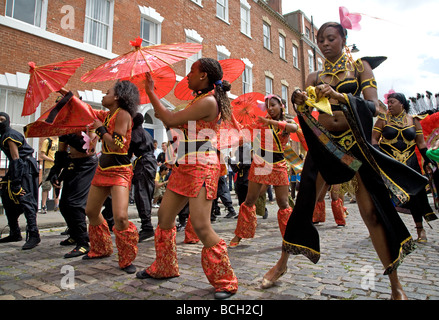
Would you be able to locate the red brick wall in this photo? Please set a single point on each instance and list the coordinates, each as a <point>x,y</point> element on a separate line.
<point>179,15</point>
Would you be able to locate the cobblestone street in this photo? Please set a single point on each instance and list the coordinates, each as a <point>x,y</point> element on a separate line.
<point>349,268</point>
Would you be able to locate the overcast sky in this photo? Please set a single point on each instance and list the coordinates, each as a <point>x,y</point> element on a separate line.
<point>407,33</point>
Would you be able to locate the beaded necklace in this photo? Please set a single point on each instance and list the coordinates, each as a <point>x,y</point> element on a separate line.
<point>344,64</point>
<point>400,120</point>
<point>198,97</point>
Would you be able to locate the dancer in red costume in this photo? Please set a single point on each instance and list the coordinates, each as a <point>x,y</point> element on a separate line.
<point>269,167</point>
<point>113,176</point>
<point>194,178</point>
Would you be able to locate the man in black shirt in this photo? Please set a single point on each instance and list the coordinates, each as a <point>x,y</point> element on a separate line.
<point>145,169</point>
<point>19,185</point>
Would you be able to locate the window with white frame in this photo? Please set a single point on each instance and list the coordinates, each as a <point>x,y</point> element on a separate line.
<point>193,37</point>
<point>285,95</point>
<point>11,102</point>
<point>222,9</point>
<point>247,75</point>
<point>99,23</point>
<point>268,85</point>
<point>295,56</point>
<point>311,61</point>
<point>149,32</point>
<point>222,53</point>
<point>150,26</point>
<point>319,64</point>
<point>282,42</point>
<point>29,11</point>
<point>197,2</point>
<point>245,18</point>
<point>267,36</point>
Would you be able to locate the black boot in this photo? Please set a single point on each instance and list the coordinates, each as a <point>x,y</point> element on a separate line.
<point>32,240</point>
<point>145,234</point>
<point>14,236</point>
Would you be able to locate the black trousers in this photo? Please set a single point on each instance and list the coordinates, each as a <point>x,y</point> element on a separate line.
<point>76,185</point>
<point>143,184</point>
<point>27,204</point>
<point>223,193</point>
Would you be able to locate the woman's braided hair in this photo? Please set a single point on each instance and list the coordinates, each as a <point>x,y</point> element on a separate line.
<point>215,75</point>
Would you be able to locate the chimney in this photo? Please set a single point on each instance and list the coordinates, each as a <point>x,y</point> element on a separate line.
<point>276,5</point>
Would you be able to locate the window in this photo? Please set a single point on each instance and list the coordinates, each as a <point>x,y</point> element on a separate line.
<point>149,32</point>
<point>190,61</point>
<point>267,31</point>
<point>11,102</point>
<point>282,47</point>
<point>245,18</point>
<point>319,64</point>
<point>247,82</point>
<point>268,85</point>
<point>28,11</point>
<point>197,2</point>
<point>98,23</point>
<point>221,56</point>
<point>295,56</point>
<point>307,33</point>
<point>311,61</point>
<point>222,53</point>
<point>150,26</point>
<point>193,37</point>
<point>285,96</point>
<point>222,9</point>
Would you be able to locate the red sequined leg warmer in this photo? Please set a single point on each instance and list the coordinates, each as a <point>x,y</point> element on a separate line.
<point>338,211</point>
<point>165,264</point>
<point>101,244</point>
<point>217,267</point>
<point>282,218</point>
<point>126,242</point>
<point>319,214</point>
<point>247,222</point>
<point>189,233</point>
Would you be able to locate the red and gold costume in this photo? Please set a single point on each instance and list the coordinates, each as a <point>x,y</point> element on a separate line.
<point>197,162</point>
<point>197,165</point>
<point>114,167</point>
<point>269,167</point>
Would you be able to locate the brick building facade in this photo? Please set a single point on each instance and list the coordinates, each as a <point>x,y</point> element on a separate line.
<point>278,49</point>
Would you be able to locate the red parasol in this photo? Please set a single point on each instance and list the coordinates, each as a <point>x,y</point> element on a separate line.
<point>69,115</point>
<point>141,60</point>
<point>47,79</point>
<point>164,80</point>
<point>246,111</point>
<point>232,69</point>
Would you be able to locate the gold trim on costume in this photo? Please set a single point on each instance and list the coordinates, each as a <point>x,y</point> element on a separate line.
<point>292,248</point>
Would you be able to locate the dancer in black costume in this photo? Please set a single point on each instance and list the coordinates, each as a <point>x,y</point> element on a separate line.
<point>397,134</point>
<point>19,185</point>
<point>145,168</point>
<point>339,149</point>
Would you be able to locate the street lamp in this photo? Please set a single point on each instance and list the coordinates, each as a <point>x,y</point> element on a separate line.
<point>354,48</point>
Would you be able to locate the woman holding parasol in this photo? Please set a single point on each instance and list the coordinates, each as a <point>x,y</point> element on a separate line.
<point>269,167</point>
<point>194,177</point>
